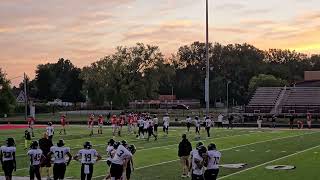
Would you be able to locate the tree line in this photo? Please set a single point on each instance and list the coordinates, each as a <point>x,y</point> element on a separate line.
<point>143,72</point>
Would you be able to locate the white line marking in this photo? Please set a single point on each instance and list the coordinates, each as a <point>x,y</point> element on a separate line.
<point>284,157</point>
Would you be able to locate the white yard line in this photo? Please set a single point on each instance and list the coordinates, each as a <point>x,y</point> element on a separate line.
<point>166,162</point>
<point>263,164</point>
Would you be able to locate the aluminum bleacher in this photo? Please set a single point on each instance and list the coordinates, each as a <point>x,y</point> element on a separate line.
<point>294,99</point>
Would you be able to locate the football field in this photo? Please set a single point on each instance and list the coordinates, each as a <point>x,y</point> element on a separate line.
<point>251,149</point>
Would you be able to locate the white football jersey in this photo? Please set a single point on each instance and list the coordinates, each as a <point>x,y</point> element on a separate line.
<point>188,120</point>
<point>214,157</point>
<point>7,153</point>
<point>50,130</point>
<point>146,124</point>
<point>155,120</point>
<point>166,120</point>
<point>121,154</point>
<point>220,118</point>
<point>208,123</point>
<point>197,123</point>
<point>195,169</point>
<point>141,122</point>
<point>88,156</point>
<point>110,152</point>
<point>35,155</point>
<point>59,154</point>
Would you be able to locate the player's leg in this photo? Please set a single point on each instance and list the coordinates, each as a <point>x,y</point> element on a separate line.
<point>37,172</point>
<point>89,176</point>
<point>63,169</point>
<point>31,172</point>
<point>83,175</point>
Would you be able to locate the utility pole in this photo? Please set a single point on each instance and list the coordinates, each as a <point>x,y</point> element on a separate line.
<point>207,95</point>
<point>228,82</point>
<point>25,97</point>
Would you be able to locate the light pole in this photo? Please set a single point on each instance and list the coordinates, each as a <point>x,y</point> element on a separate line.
<point>207,95</point>
<point>228,96</point>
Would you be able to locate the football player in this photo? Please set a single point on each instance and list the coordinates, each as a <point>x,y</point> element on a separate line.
<point>50,131</point>
<point>120,161</point>
<point>63,122</point>
<point>8,158</point>
<point>30,122</point>
<point>87,156</point>
<point>114,122</point>
<point>197,125</point>
<point>150,129</point>
<point>191,156</point>
<point>135,123</point>
<point>130,123</point>
<point>27,138</point>
<point>188,122</point>
<point>91,124</point>
<point>121,122</point>
<point>35,155</point>
<point>100,124</point>
<point>212,163</point>
<point>141,126</point>
<point>60,152</point>
<point>198,162</point>
<point>130,167</point>
<point>110,154</point>
<point>208,125</point>
<point>166,120</point>
<point>155,124</point>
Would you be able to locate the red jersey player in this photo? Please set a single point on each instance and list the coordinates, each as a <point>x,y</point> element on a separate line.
<point>30,122</point>
<point>121,122</point>
<point>100,124</point>
<point>63,122</point>
<point>91,123</point>
<point>114,125</point>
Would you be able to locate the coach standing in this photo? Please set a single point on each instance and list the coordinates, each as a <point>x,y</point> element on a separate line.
<point>45,144</point>
<point>184,151</point>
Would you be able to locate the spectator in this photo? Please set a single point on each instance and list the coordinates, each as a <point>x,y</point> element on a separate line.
<point>291,123</point>
<point>259,122</point>
<point>309,120</point>
<point>273,120</point>
<point>184,151</point>
<point>220,119</point>
<point>230,124</point>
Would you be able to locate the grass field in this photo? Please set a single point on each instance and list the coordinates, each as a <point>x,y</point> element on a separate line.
<point>158,159</point>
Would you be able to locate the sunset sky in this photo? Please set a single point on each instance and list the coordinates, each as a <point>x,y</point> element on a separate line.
<point>41,31</point>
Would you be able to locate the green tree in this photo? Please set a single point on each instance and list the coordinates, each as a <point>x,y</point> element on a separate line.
<point>59,80</point>
<point>128,74</point>
<point>265,80</point>
<point>7,99</point>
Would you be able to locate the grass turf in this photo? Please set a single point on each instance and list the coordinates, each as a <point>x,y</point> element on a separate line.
<point>158,159</point>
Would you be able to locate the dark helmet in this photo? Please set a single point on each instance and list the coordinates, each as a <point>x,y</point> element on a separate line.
<point>10,142</point>
<point>211,146</point>
<point>116,144</point>
<point>201,150</point>
<point>60,143</point>
<point>199,144</point>
<point>87,145</point>
<point>34,145</point>
<point>124,143</point>
<point>111,142</point>
<point>196,117</point>
<point>132,148</point>
<point>50,123</point>
<point>184,136</point>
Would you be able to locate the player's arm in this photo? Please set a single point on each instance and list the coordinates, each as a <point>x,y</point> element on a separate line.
<point>198,163</point>
<point>14,161</point>
<point>98,157</point>
<point>70,158</point>
<point>76,157</point>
